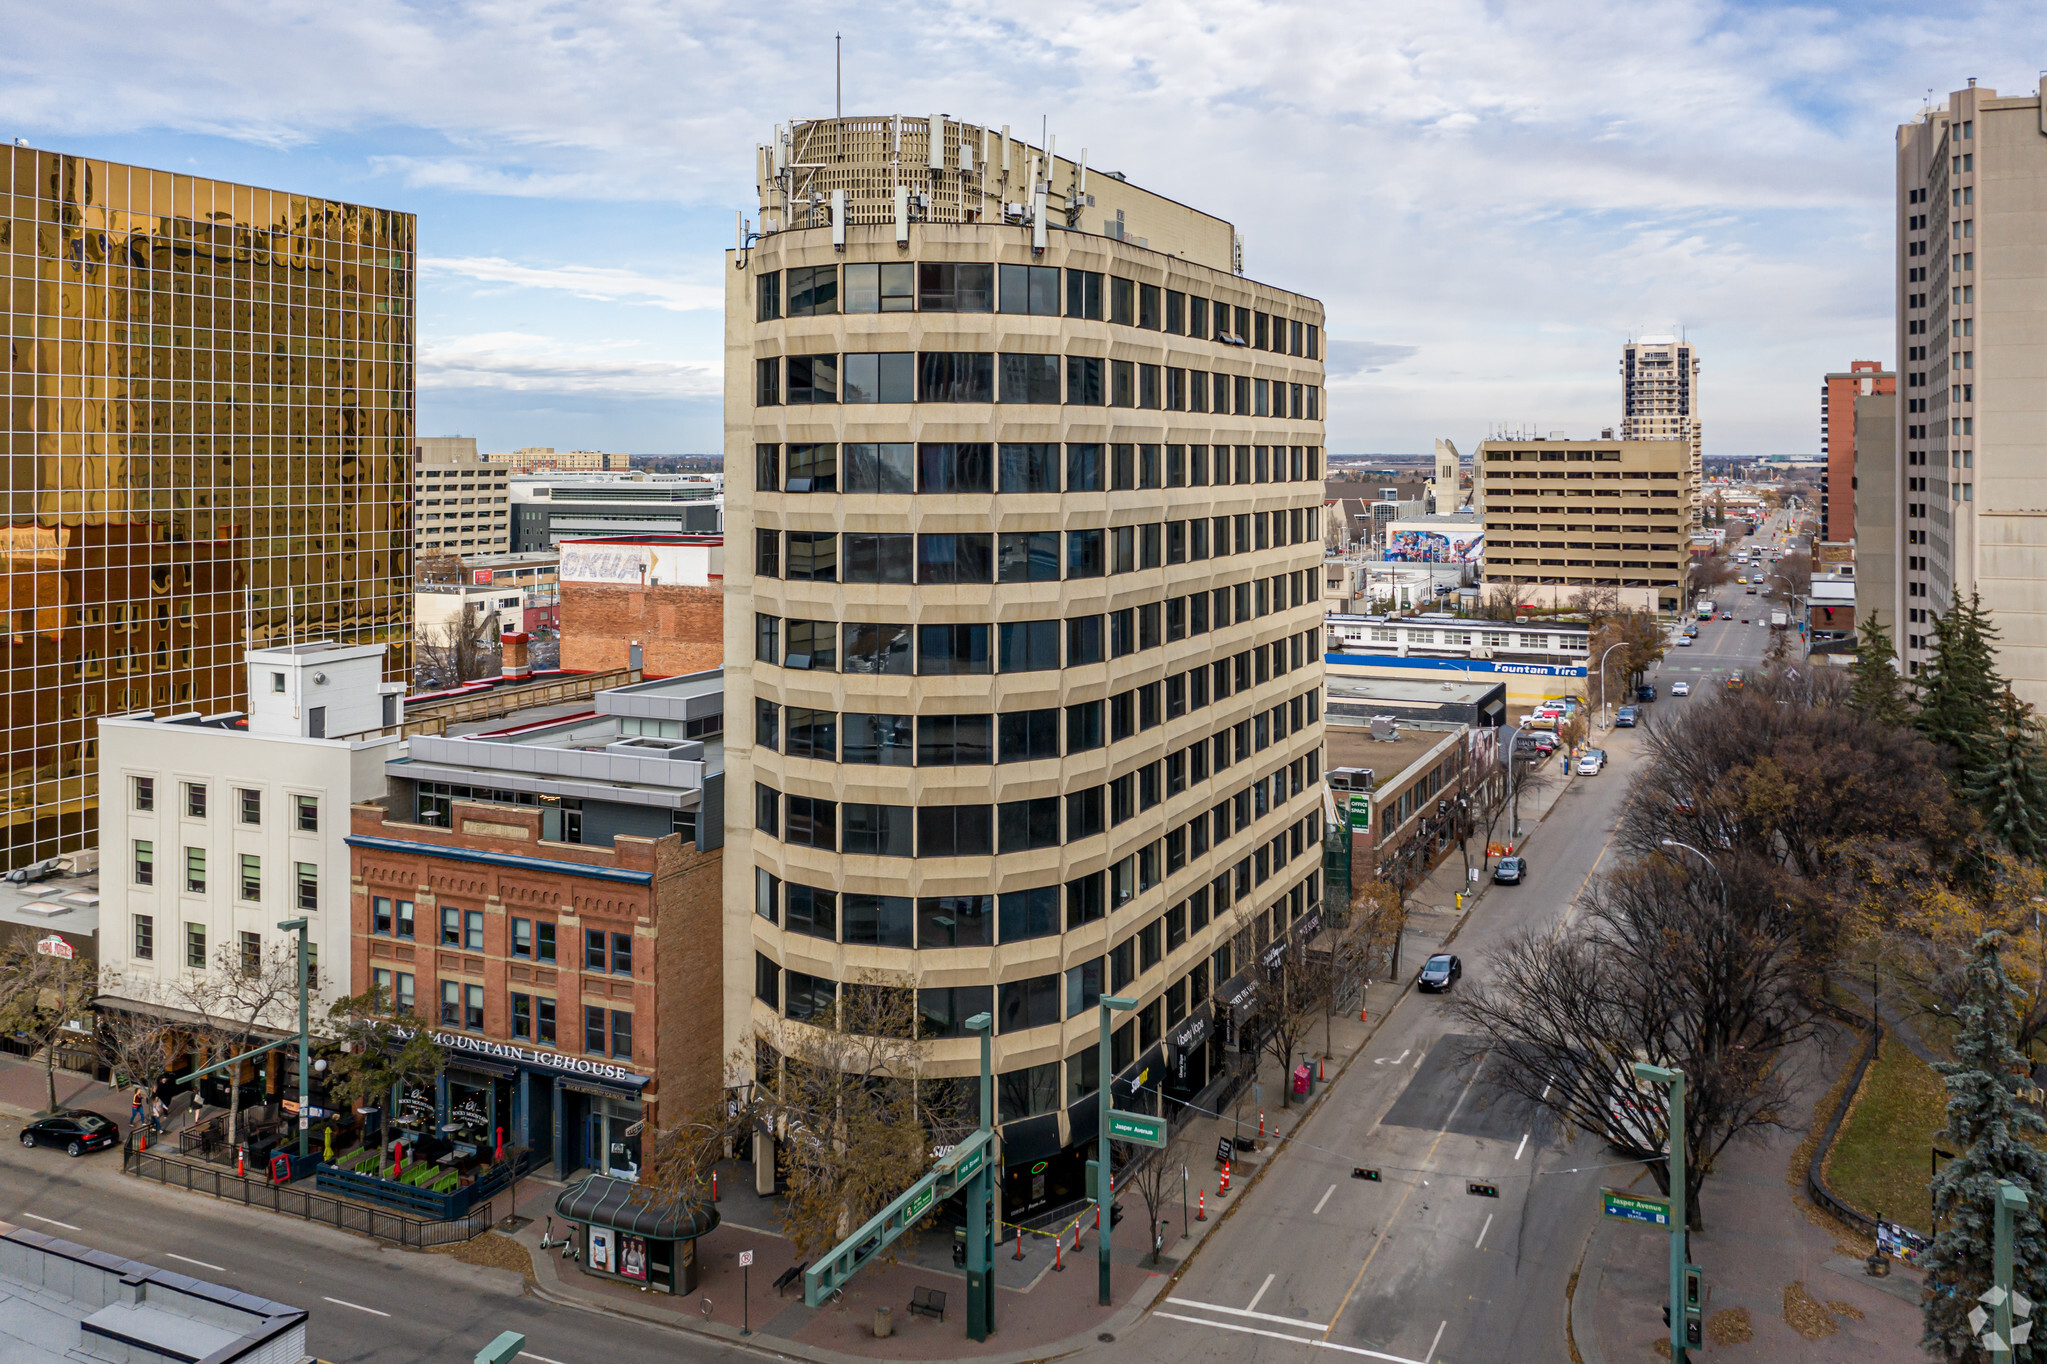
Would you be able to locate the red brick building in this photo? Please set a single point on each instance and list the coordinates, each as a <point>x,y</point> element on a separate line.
<point>1837,442</point>
<point>661,595</point>
<point>566,949</point>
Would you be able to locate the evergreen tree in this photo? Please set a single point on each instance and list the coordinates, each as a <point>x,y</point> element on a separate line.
<point>1877,691</point>
<point>1958,689</point>
<point>2010,786</point>
<point>1988,1128</point>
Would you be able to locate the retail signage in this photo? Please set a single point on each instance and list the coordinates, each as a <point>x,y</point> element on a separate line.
<point>568,1065</point>
<point>1452,665</point>
<point>1361,814</point>
<point>54,946</point>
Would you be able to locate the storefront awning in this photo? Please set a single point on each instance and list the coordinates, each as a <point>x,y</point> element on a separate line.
<point>629,1208</point>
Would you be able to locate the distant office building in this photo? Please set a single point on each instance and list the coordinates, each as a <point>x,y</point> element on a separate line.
<point>550,509</point>
<point>1971,214</point>
<point>1838,395</point>
<point>207,412</point>
<point>1564,516</point>
<point>546,459</point>
<point>461,502</point>
<point>1660,396</point>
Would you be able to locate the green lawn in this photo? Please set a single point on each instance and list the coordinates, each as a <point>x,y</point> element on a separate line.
<point>1879,1160</point>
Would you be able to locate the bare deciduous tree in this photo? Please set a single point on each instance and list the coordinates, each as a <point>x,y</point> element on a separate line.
<point>460,649</point>
<point>42,997</point>
<point>842,1096</point>
<point>1150,1173</point>
<point>1665,968</point>
<point>248,991</point>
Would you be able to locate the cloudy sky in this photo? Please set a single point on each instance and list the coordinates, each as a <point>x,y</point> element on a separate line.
<point>1489,197</point>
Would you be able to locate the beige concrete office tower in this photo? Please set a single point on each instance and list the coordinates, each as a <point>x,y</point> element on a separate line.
<point>1660,397</point>
<point>1972,331</point>
<point>1023,643</point>
<point>206,408</point>
<point>1566,516</point>
<point>461,501</point>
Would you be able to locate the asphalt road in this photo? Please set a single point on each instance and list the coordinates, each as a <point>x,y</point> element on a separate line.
<point>367,1302</point>
<point>1414,1268</point>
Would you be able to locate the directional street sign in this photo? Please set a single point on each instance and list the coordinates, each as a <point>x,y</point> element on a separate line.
<point>1140,1128</point>
<point>1654,1212</point>
<point>914,1209</point>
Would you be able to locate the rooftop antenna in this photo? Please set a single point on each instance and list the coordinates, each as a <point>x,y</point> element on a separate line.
<point>838,75</point>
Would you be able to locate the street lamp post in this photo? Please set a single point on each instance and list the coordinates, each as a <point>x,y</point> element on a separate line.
<point>305,1037</point>
<point>980,1194</point>
<point>1602,675</point>
<point>1104,1206</point>
<point>1673,843</point>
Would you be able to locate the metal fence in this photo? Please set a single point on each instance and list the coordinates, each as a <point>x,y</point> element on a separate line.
<point>301,1201</point>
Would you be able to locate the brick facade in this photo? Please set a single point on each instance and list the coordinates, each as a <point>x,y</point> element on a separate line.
<point>494,861</point>
<point>679,629</point>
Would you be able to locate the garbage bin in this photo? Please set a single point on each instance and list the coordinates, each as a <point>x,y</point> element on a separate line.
<point>884,1323</point>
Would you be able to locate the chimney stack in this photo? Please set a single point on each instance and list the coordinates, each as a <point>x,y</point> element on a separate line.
<point>513,651</point>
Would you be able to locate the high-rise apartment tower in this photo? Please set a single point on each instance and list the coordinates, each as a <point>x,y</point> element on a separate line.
<point>208,419</point>
<point>1971,464</point>
<point>1023,645</point>
<point>1660,397</point>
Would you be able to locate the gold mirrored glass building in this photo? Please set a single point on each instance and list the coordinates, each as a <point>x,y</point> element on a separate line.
<point>207,417</point>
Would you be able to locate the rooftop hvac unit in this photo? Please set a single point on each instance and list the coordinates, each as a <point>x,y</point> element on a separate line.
<point>1385,727</point>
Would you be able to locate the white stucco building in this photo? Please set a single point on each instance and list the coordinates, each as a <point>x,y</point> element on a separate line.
<point>216,828</point>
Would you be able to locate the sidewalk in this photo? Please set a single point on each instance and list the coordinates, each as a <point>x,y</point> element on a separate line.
<point>24,1091</point>
<point>1039,1312</point>
<point>1757,1244</point>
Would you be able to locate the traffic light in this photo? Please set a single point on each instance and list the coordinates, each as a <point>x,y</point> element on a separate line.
<point>1695,1305</point>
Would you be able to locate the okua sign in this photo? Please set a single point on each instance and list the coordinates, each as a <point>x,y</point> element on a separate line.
<point>545,1060</point>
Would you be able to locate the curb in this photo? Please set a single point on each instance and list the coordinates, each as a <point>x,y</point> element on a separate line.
<point>1581,1334</point>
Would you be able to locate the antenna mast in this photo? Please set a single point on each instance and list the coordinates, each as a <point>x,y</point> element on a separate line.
<point>838,75</point>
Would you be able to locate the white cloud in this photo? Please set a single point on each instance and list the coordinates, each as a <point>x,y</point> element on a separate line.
<point>527,363</point>
<point>1510,189</point>
<point>604,283</point>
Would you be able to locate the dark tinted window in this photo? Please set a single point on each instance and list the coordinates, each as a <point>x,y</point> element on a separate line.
<point>1028,468</point>
<point>955,831</point>
<point>881,468</point>
<point>1029,646</point>
<point>885,288</point>
<point>813,557</point>
<point>1030,556</point>
<point>1029,378</point>
<point>813,468</point>
<point>878,558</point>
<point>954,740</point>
<point>876,648</point>
<point>877,740</point>
<point>955,558</point>
<point>813,290</point>
<point>951,650</point>
<point>1030,289</point>
<point>1084,468</point>
<point>957,921</point>
<point>1027,914</point>
<point>967,467</point>
<point>1084,294</point>
<point>1022,735</point>
<point>767,295</point>
<point>1083,380</point>
<point>945,287</point>
<point>878,920</point>
<point>1023,825</point>
<point>955,377</point>
<point>813,379</point>
<point>1083,554</point>
<point>1028,1003</point>
<point>876,830</point>
<point>879,377</point>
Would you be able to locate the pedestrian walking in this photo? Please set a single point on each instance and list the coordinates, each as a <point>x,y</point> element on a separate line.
<point>135,1107</point>
<point>158,1109</point>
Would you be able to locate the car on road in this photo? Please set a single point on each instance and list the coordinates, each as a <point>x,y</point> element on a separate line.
<point>1735,681</point>
<point>1645,692</point>
<point>75,1130</point>
<point>1511,871</point>
<point>1543,742</point>
<point>1751,591</point>
<point>1727,615</point>
<point>1592,763</point>
<point>1684,641</point>
<point>1439,972</point>
<point>1680,689</point>
<point>1692,629</point>
<point>1625,717</point>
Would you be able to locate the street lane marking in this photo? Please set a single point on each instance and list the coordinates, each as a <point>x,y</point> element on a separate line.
<point>528,1354</point>
<point>1298,1340</point>
<point>1253,1306</point>
<point>1434,1343</point>
<point>1392,1220</point>
<point>173,1255</point>
<point>1324,1200</point>
<point>1480,1242</point>
<point>1524,1136</point>
<point>1246,1312</point>
<point>343,1302</point>
<point>52,1221</point>
<point>1392,1060</point>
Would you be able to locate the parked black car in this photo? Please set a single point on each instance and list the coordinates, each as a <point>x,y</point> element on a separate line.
<point>77,1130</point>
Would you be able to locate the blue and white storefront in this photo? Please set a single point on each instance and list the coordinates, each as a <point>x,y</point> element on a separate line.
<point>1536,662</point>
<point>582,1113</point>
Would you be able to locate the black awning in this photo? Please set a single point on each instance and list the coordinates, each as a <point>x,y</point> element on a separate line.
<point>626,1207</point>
<point>1030,1139</point>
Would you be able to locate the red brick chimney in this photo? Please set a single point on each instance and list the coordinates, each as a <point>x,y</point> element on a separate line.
<point>513,652</point>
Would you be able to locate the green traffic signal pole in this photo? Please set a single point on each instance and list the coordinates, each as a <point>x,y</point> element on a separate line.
<point>1103,1204</point>
<point>980,1234</point>
<point>305,1036</point>
<point>1675,1081</point>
